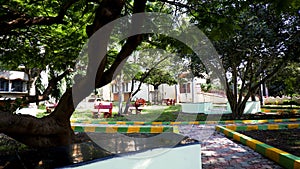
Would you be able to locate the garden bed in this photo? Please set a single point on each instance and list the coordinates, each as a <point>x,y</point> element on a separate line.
<point>286,140</point>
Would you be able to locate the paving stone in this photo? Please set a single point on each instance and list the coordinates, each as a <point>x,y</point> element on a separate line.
<point>220,152</point>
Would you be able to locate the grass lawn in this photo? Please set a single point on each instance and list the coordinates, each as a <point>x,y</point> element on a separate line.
<point>156,113</point>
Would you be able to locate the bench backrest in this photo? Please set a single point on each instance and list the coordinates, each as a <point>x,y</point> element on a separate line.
<point>104,106</point>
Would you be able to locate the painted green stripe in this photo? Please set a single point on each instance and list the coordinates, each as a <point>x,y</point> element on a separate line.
<point>283,126</point>
<point>243,140</point>
<point>230,134</point>
<point>130,123</point>
<point>261,148</point>
<point>100,129</point>
<point>79,128</point>
<point>285,159</point>
<point>185,122</point>
<point>168,129</point>
<point>223,122</point>
<point>145,130</point>
<point>288,160</point>
<point>262,127</point>
<point>123,129</point>
<point>241,128</point>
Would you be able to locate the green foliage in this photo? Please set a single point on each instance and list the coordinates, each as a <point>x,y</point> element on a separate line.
<point>254,39</point>
<point>38,47</point>
<point>158,77</point>
<point>286,81</point>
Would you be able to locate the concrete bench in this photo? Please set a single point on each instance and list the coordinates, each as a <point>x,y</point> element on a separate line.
<point>136,109</point>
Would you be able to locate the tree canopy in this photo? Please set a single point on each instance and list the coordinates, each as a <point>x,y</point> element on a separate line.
<point>254,40</point>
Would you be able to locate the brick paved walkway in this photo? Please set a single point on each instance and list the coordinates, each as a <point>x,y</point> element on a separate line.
<point>219,152</point>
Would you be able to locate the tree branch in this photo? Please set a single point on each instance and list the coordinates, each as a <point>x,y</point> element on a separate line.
<point>130,45</point>
<point>19,20</point>
<point>52,83</point>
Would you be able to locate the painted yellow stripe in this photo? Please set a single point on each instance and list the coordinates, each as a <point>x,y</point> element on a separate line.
<point>157,123</point>
<point>262,121</point>
<point>252,127</point>
<point>297,164</point>
<point>176,129</point>
<point>103,122</point>
<point>121,123</point>
<point>193,122</point>
<point>133,129</point>
<point>274,153</point>
<point>229,121</point>
<point>211,122</point>
<point>226,132</point>
<point>277,120</point>
<point>218,128</point>
<point>273,127</point>
<point>89,129</point>
<point>247,121</point>
<point>252,143</point>
<point>175,123</point>
<point>293,126</point>
<point>231,127</point>
<point>113,129</point>
<point>158,129</point>
<point>138,123</point>
<point>236,137</point>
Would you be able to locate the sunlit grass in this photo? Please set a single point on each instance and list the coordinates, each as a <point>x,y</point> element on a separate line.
<point>159,114</point>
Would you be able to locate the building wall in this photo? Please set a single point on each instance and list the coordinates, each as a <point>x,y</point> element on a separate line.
<point>191,92</point>
<point>13,84</point>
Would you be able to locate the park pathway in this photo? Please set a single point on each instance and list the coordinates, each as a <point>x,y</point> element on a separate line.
<point>220,152</point>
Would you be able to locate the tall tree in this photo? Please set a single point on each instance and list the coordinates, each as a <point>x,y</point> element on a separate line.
<point>55,129</point>
<point>255,40</point>
<point>286,81</point>
<point>41,33</point>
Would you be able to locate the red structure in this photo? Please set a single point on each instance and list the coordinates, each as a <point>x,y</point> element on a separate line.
<point>106,108</point>
<point>169,101</point>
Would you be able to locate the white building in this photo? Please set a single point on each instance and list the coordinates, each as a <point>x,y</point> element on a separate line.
<point>13,84</point>
<point>188,91</point>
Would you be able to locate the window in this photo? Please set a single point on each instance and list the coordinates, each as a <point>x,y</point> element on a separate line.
<point>185,88</point>
<point>114,88</point>
<point>3,85</point>
<point>17,86</point>
<point>125,87</point>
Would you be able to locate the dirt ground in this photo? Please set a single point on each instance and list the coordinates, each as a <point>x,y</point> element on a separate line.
<point>286,140</point>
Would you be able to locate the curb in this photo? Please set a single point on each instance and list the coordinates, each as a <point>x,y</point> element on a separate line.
<point>186,122</point>
<point>124,129</point>
<point>283,158</point>
<point>271,110</point>
<point>263,127</point>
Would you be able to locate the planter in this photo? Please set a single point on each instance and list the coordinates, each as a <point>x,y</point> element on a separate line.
<point>252,107</point>
<point>201,107</point>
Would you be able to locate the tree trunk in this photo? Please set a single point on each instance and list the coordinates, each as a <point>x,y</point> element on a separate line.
<point>55,129</point>
<point>34,132</point>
